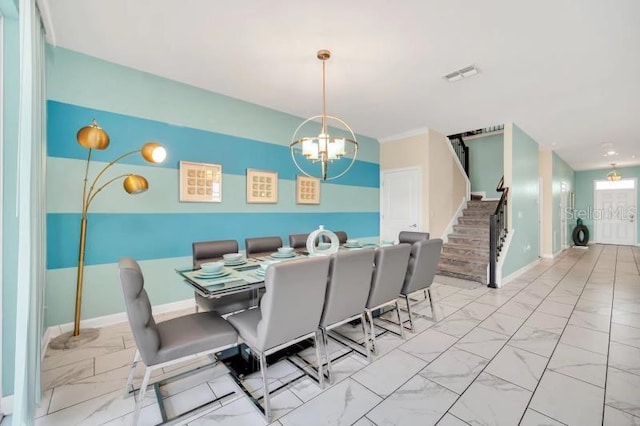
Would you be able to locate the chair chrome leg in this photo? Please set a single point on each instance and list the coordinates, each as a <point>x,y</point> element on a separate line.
<point>433,310</point>
<point>425,293</point>
<point>363,321</point>
<point>132,370</point>
<point>325,342</point>
<point>265,382</point>
<point>316,342</point>
<point>406,297</point>
<point>400,320</point>
<point>143,390</point>
<point>374,350</point>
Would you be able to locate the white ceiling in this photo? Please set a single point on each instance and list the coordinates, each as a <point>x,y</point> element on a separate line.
<point>566,72</point>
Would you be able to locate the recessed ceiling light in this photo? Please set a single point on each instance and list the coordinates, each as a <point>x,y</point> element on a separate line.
<point>612,152</point>
<point>462,73</point>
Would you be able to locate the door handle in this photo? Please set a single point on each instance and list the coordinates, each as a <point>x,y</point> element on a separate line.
<point>415,225</point>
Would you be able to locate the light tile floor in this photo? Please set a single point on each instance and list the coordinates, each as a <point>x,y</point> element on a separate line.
<point>558,345</point>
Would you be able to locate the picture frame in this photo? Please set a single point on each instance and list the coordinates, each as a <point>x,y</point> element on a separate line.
<point>307,190</point>
<point>262,186</point>
<point>200,182</point>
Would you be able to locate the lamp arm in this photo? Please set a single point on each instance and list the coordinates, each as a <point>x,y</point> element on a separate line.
<point>110,181</point>
<point>91,194</point>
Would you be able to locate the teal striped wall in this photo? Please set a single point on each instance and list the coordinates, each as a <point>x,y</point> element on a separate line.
<point>562,172</point>
<point>10,98</point>
<point>523,194</point>
<point>486,164</point>
<point>154,227</point>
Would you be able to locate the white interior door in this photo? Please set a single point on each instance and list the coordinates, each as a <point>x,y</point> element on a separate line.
<point>615,212</point>
<point>401,200</point>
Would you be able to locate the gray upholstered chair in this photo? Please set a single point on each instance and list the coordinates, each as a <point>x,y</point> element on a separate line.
<point>386,282</point>
<point>262,245</point>
<point>411,237</point>
<point>206,251</point>
<point>423,264</point>
<point>162,344</point>
<point>289,312</point>
<point>298,240</point>
<point>342,236</point>
<point>347,292</point>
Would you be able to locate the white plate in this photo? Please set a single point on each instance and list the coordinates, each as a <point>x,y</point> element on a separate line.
<point>283,256</point>
<point>235,262</point>
<point>352,246</point>
<point>206,275</point>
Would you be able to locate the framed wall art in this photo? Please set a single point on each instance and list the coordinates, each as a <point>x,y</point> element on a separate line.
<point>262,186</point>
<point>200,182</point>
<point>307,190</point>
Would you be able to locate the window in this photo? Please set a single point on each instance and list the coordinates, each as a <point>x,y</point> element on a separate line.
<point>620,184</point>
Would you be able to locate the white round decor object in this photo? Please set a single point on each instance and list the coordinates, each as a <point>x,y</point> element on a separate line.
<point>315,235</point>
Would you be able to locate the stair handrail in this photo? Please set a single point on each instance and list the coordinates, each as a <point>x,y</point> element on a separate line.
<point>498,228</point>
<point>462,151</point>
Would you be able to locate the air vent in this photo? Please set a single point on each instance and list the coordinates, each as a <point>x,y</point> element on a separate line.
<point>462,73</point>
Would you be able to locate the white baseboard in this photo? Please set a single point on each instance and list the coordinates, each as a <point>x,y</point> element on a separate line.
<point>6,405</point>
<point>112,319</point>
<point>547,255</point>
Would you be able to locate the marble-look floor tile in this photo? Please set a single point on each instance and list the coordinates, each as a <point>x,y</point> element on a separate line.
<point>518,367</point>
<point>364,421</point>
<point>517,309</point>
<point>442,311</point>
<point>533,418</point>
<point>622,391</point>
<point>546,322</point>
<point>103,345</point>
<point>584,338</point>
<point>533,340</point>
<point>502,323</point>
<point>419,401</point>
<point>632,307</point>
<point>479,311</point>
<point>386,374</point>
<point>593,307</point>
<point>568,400</point>
<point>93,411</point>
<point>428,345</point>
<point>451,420</point>
<point>592,321</point>
<point>457,324</point>
<point>482,342</point>
<point>43,406</point>
<point>88,388</point>
<point>579,363</point>
<point>624,357</point>
<point>626,318</point>
<point>555,308</point>
<point>492,401</point>
<point>626,335</point>
<point>240,412</point>
<point>455,369</point>
<point>180,403</point>
<point>615,417</point>
<point>67,374</point>
<point>457,300</point>
<point>114,360</point>
<point>495,299</point>
<point>341,404</point>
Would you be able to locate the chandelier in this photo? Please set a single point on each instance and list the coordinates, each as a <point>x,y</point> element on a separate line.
<point>613,174</point>
<point>312,155</point>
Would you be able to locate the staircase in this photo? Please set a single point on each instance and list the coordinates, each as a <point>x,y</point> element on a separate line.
<point>466,254</point>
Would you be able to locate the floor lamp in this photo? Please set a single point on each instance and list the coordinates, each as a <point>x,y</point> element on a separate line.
<point>94,137</point>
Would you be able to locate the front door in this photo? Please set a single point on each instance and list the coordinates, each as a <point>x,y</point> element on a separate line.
<point>401,198</point>
<point>615,212</point>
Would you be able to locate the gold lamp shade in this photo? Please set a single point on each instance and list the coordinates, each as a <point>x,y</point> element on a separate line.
<point>135,184</point>
<point>153,152</point>
<point>93,136</point>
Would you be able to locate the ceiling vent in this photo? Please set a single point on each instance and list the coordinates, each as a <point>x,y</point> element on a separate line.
<point>462,73</point>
